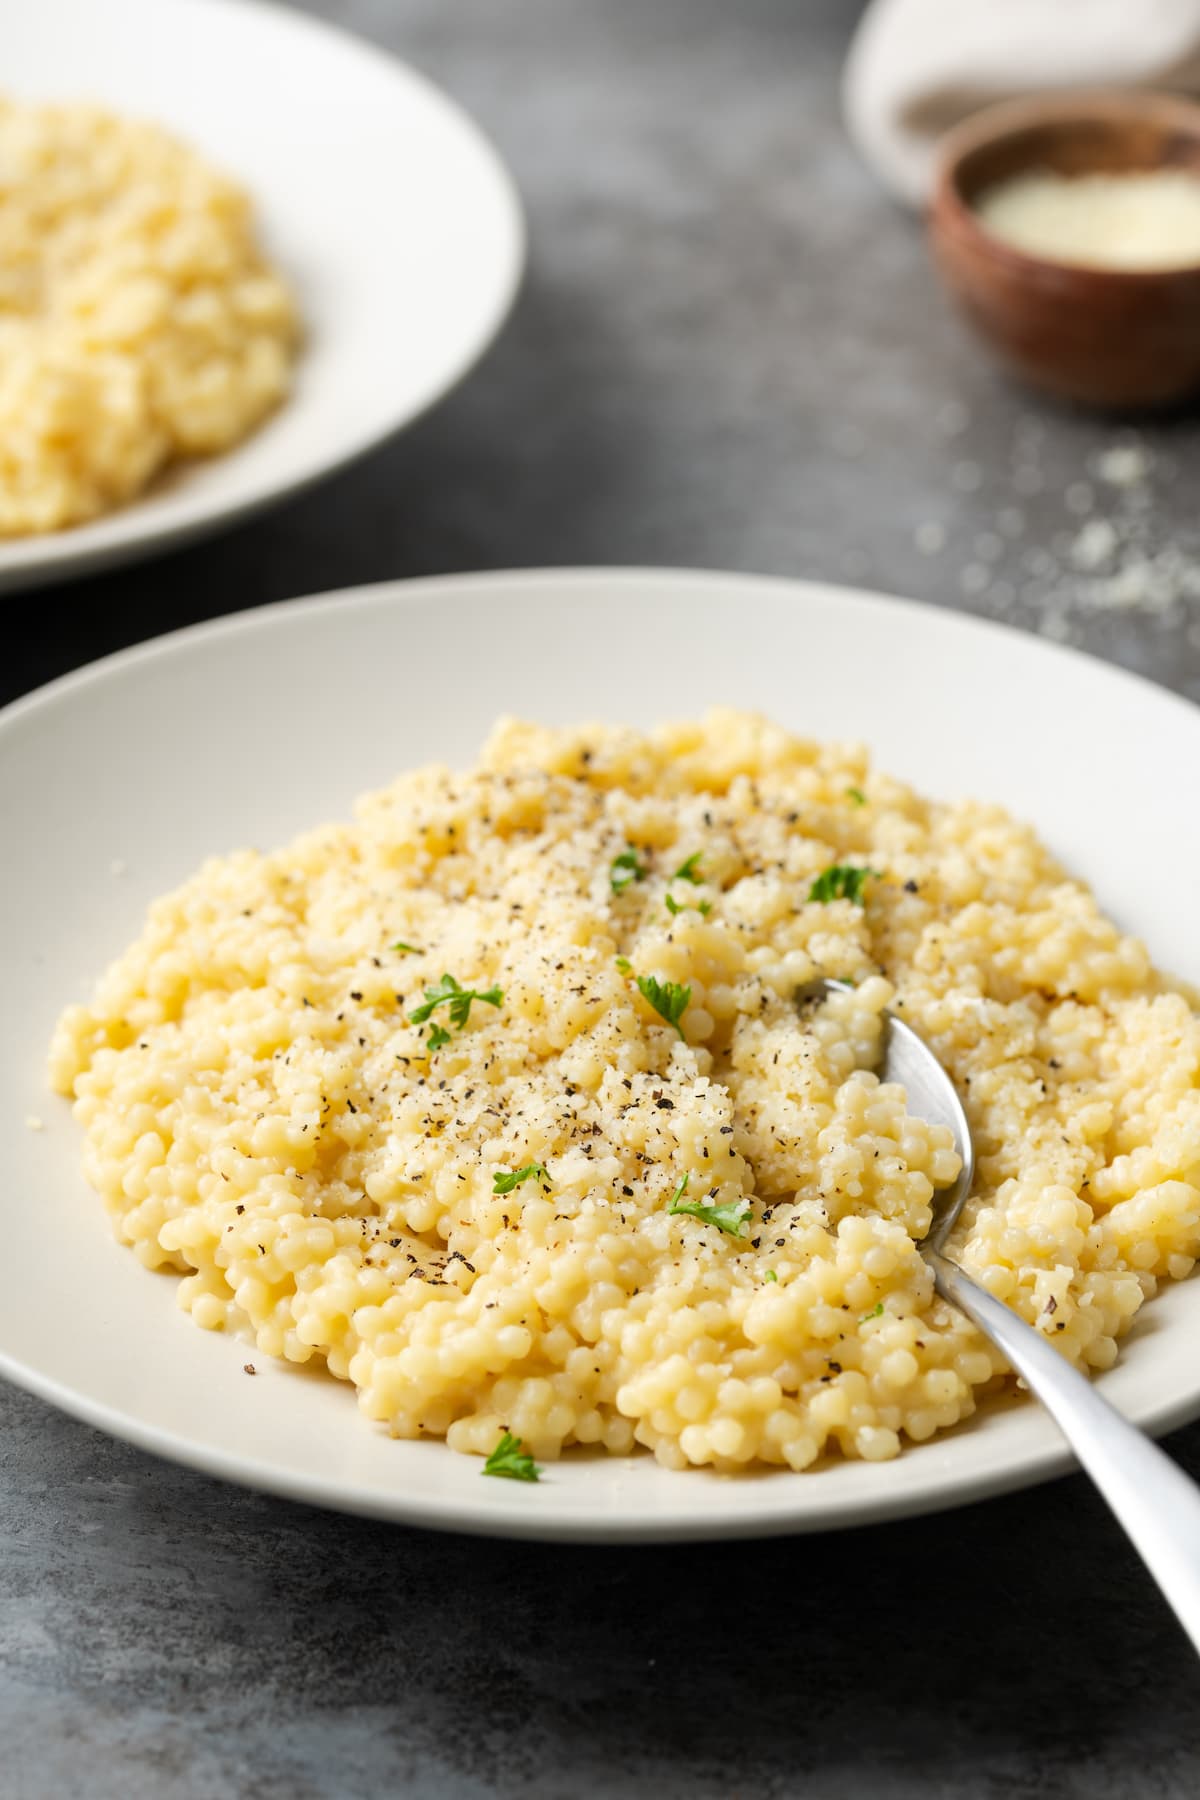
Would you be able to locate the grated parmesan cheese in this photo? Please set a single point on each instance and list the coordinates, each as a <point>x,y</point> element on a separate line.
<point>1142,219</point>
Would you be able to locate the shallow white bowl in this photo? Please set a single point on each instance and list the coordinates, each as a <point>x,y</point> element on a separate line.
<point>396,223</point>
<point>115,782</point>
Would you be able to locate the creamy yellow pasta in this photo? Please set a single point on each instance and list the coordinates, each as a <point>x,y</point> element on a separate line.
<point>139,321</point>
<point>469,1215</point>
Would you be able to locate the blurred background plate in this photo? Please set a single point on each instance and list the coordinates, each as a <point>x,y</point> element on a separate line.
<point>116,782</point>
<point>388,211</point>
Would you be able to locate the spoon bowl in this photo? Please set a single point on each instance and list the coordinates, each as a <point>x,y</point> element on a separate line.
<point>908,1062</point>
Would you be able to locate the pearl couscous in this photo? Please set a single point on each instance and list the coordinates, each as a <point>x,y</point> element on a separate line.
<point>139,321</point>
<point>499,1099</point>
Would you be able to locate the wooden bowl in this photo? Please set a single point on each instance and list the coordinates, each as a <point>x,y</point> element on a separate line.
<point>1112,338</point>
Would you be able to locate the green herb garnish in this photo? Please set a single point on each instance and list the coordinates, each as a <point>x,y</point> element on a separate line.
<point>505,1181</point>
<point>770,1275</point>
<point>856,796</point>
<point>458,998</point>
<point>842,881</point>
<point>512,1460</point>
<point>687,870</point>
<point>624,964</point>
<point>438,1038</point>
<point>668,998</point>
<point>625,869</point>
<point>674,907</point>
<point>730,1217</point>
<point>405,949</point>
<point>874,1313</point>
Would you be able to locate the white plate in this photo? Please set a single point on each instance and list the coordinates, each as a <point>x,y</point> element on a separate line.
<point>248,730</point>
<point>391,215</point>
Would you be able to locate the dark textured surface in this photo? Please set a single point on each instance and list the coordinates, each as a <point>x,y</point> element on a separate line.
<point>728,352</point>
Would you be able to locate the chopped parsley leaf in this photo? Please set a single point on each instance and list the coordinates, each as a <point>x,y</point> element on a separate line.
<point>504,1181</point>
<point>625,869</point>
<point>511,1459</point>
<point>874,1313</point>
<point>674,907</point>
<point>731,1217</point>
<point>438,1038</point>
<point>856,796</point>
<point>624,964</point>
<point>668,998</point>
<point>459,999</point>
<point>842,881</point>
<point>687,870</point>
<point>770,1275</point>
<point>406,949</point>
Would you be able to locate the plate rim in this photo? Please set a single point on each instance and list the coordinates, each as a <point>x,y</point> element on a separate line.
<point>405,589</point>
<point>506,1516</point>
<point>37,559</point>
<point>510,1518</point>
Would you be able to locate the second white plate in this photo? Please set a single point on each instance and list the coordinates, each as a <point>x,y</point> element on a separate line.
<point>117,781</point>
<point>391,215</point>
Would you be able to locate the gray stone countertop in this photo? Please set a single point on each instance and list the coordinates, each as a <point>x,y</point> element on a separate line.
<point>729,352</point>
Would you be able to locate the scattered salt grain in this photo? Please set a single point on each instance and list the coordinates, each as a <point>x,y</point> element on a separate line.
<point>1154,584</point>
<point>1094,544</point>
<point>1114,556</point>
<point>1123,465</point>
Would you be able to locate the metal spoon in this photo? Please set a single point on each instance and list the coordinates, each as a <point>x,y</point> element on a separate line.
<point>1154,1500</point>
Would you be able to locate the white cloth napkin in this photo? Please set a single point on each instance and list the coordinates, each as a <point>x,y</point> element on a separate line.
<point>916,67</point>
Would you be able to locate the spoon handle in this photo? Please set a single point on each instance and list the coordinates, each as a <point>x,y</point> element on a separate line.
<point>1154,1500</point>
